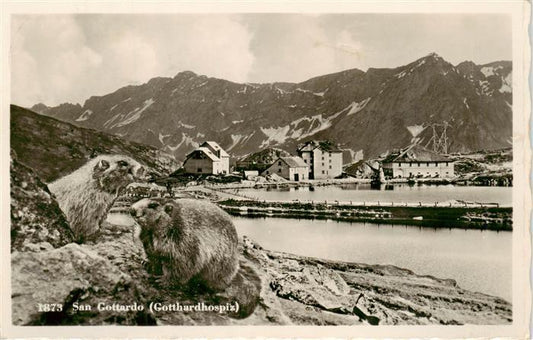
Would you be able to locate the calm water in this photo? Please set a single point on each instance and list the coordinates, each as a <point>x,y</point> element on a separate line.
<point>477,260</point>
<point>398,193</point>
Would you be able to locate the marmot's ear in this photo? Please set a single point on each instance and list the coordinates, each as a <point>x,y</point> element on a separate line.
<point>102,165</point>
<point>169,208</point>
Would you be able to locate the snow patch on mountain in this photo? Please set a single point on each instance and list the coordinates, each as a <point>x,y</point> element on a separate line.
<point>317,123</point>
<point>235,139</point>
<point>490,70</point>
<point>275,135</point>
<point>84,116</point>
<point>485,87</point>
<point>466,104</point>
<point>187,126</point>
<point>321,94</point>
<point>185,140</point>
<point>162,138</point>
<point>237,121</point>
<point>356,107</point>
<point>113,107</point>
<point>507,84</point>
<point>135,114</point>
<point>415,130</point>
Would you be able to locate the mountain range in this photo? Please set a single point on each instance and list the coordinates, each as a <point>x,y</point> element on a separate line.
<point>461,108</point>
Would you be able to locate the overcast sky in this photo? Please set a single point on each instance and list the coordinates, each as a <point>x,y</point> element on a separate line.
<point>68,58</point>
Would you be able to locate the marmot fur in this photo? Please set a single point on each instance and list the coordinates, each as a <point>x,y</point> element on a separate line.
<point>188,239</point>
<point>86,195</point>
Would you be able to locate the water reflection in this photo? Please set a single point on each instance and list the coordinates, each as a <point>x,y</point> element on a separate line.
<point>477,260</point>
<point>397,193</point>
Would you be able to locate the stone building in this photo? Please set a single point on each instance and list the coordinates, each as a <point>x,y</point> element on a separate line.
<point>290,168</point>
<point>417,162</point>
<point>323,158</point>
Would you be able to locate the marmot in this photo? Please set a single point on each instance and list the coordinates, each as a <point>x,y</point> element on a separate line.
<point>86,195</point>
<point>188,239</point>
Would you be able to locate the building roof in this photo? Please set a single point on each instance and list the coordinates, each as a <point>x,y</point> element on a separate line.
<point>415,153</point>
<point>294,162</point>
<point>206,151</point>
<point>214,146</point>
<point>324,145</point>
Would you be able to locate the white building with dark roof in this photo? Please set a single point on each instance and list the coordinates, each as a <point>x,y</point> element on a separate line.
<point>291,168</point>
<point>209,158</point>
<point>323,158</point>
<point>220,153</point>
<point>416,161</point>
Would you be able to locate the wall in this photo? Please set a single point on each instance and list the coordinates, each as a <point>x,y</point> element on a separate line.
<point>191,166</point>
<point>224,165</point>
<point>284,171</point>
<point>303,173</point>
<point>326,164</point>
<point>425,169</point>
<point>279,168</point>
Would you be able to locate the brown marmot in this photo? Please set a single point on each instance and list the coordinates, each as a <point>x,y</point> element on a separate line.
<point>188,241</point>
<point>86,195</point>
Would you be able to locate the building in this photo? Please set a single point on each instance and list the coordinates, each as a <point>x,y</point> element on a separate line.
<point>209,158</point>
<point>324,159</point>
<point>145,190</point>
<point>291,168</point>
<point>416,161</point>
<point>220,153</point>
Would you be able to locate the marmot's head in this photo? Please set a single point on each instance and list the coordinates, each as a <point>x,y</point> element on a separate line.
<point>150,212</point>
<point>115,172</point>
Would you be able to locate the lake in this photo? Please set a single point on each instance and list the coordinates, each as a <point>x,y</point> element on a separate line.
<point>477,260</point>
<point>397,193</point>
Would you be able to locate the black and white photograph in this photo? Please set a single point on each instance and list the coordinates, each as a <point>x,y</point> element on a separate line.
<point>273,168</point>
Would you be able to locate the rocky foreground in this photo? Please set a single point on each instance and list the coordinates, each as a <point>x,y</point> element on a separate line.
<point>270,288</point>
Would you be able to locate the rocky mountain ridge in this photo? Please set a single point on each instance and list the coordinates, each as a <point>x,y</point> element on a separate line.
<point>53,148</point>
<point>366,113</point>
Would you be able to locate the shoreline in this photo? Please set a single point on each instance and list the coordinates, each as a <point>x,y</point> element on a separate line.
<point>251,184</point>
<point>481,218</point>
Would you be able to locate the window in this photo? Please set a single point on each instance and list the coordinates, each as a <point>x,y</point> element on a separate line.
<point>427,164</point>
<point>322,157</point>
<point>268,172</point>
<point>410,164</point>
<point>279,163</point>
<point>305,160</point>
<point>400,165</point>
<point>279,170</point>
<point>323,172</point>
<point>446,163</point>
<point>330,166</point>
<point>330,160</point>
<point>436,164</point>
<point>199,170</point>
<point>418,164</point>
<point>322,163</point>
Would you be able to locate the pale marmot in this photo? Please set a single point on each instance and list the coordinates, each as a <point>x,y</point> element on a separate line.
<point>86,195</point>
<point>188,239</point>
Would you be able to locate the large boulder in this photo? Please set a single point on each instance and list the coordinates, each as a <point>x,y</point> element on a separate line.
<point>58,276</point>
<point>37,222</point>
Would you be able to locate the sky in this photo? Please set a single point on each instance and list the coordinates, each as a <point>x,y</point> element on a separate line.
<point>57,58</point>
